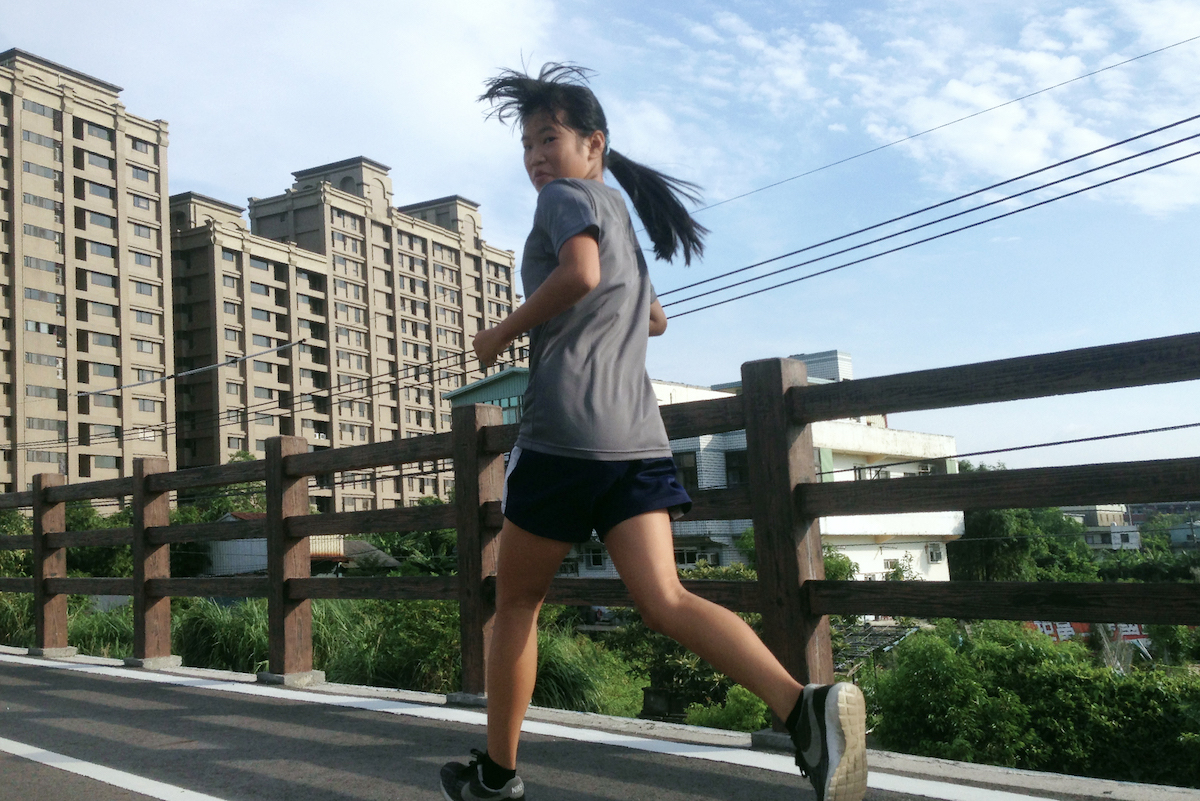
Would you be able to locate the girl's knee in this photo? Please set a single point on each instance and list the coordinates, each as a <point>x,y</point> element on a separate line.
<point>662,613</point>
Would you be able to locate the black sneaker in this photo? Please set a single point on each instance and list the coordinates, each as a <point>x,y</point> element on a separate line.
<point>465,782</point>
<point>830,740</point>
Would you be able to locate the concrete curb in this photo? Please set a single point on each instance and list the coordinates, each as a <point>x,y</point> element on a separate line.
<point>998,778</point>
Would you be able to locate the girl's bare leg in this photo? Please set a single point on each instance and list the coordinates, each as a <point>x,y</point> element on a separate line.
<point>526,565</point>
<point>643,551</point>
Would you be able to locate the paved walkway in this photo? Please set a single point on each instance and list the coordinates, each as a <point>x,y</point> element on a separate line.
<point>72,730</point>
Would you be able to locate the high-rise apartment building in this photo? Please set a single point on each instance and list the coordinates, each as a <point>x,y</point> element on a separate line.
<point>83,336</point>
<point>367,310</point>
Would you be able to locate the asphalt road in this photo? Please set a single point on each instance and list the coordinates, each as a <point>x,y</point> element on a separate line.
<point>241,742</point>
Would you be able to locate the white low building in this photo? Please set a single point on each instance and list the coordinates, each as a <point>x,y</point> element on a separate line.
<point>846,450</point>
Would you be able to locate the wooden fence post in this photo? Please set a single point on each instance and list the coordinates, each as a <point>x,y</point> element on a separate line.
<point>478,478</point>
<point>151,614</point>
<point>289,623</point>
<point>780,456</point>
<point>49,610</point>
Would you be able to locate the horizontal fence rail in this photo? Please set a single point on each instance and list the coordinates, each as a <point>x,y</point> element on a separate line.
<point>379,454</point>
<point>206,532</point>
<point>1118,482</point>
<point>101,537</point>
<point>776,408</point>
<point>391,588</point>
<point>208,587</point>
<point>203,477</point>
<point>1175,604</point>
<point>1134,364</point>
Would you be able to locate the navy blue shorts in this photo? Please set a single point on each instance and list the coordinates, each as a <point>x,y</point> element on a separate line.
<point>565,499</point>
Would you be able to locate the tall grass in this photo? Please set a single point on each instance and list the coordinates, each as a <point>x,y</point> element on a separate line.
<point>410,645</point>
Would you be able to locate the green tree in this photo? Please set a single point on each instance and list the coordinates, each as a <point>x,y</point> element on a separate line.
<point>15,563</point>
<point>838,566</point>
<point>1019,544</point>
<point>421,553</point>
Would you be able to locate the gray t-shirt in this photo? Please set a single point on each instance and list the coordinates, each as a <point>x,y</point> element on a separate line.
<point>589,396</point>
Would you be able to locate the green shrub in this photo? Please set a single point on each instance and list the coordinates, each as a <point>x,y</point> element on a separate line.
<point>742,711</point>
<point>208,634</point>
<point>406,644</point>
<point>108,634</point>
<point>16,619</point>
<point>1003,694</point>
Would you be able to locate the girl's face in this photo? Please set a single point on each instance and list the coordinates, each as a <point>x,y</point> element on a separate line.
<point>552,150</point>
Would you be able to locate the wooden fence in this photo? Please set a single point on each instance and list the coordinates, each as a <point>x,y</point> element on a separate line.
<point>784,497</point>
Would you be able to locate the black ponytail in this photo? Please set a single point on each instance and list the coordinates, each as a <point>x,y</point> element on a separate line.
<point>560,90</point>
<point>656,199</point>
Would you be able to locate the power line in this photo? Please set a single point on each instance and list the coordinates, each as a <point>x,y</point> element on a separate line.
<point>956,214</point>
<point>1024,447</point>
<point>932,207</point>
<point>945,125</point>
<point>185,373</point>
<point>384,382</point>
<point>936,236</point>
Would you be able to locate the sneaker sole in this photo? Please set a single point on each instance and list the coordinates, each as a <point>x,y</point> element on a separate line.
<point>849,780</point>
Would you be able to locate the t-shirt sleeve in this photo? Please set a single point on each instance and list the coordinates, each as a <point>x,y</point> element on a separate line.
<point>564,210</point>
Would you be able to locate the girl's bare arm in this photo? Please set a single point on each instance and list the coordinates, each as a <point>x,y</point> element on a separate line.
<point>658,319</point>
<point>577,273</point>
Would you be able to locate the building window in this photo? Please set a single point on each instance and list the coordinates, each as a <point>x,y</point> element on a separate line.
<point>99,132</point>
<point>140,202</point>
<point>143,288</point>
<point>140,146</point>
<point>231,308</point>
<point>593,558</point>
<point>143,260</point>
<point>232,388</point>
<point>685,471</point>
<point>260,314</point>
<point>108,401</point>
<point>104,340</point>
<point>139,174</point>
<point>229,281</point>
<point>145,318</point>
<point>100,249</point>
<point>100,279</point>
<point>259,289</point>
<point>735,469</point>
<point>236,443</point>
<point>231,334</point>
<point>108,462</point>
<point>102,220</point>
<point>147,405</point>
<point>141,230</point>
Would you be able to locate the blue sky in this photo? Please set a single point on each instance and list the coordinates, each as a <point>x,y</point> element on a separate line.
<point>734,96</point>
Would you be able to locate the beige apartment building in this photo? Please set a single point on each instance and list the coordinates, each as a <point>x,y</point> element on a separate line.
<point>366,309</point>
<point>82,327</point>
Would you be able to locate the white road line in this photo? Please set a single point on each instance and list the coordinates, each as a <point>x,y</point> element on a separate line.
<point>90,770</point>
<point>778,763</point>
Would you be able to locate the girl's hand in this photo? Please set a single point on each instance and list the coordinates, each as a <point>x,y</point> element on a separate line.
<point>489,344</point>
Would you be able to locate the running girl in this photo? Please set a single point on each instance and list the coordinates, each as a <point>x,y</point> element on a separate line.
<point>592,452</point>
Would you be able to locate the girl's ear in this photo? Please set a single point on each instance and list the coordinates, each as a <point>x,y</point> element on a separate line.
<point>596,143</point>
